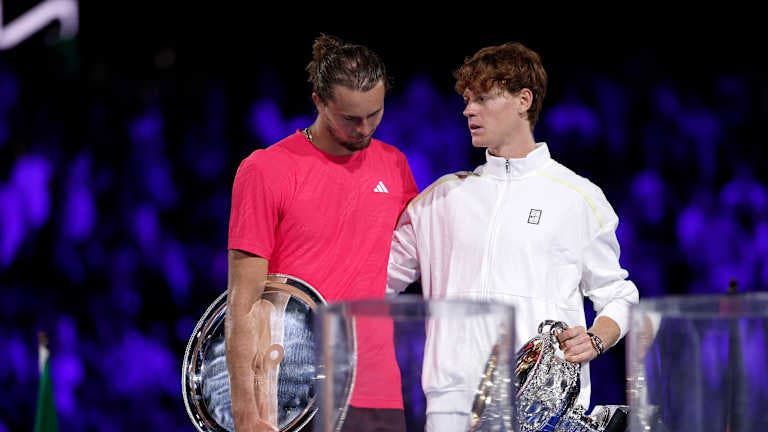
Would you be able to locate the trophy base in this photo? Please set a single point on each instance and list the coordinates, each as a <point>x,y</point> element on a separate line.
<point>604,418</point>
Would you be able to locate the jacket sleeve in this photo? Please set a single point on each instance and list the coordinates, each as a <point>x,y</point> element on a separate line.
<point>603,280</point>
<point>403,268</point>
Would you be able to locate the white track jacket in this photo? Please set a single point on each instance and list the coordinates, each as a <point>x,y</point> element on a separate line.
<point>528,232</point>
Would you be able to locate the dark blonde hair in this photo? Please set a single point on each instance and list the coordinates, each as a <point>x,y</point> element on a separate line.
<point>511,66</point>
<point>335,62</point>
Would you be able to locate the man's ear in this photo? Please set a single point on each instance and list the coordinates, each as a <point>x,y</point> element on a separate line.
<point>526,100</point>
<point>317,101</point>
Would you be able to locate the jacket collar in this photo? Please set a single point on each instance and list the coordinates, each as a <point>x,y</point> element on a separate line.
<point>497,167</point>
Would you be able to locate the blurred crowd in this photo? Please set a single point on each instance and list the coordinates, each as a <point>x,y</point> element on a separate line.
<point>114,208</point>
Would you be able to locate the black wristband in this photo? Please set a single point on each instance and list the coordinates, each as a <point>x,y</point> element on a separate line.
<point>597,343</point>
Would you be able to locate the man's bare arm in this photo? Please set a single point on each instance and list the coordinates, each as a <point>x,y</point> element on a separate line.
<point>245,285</point>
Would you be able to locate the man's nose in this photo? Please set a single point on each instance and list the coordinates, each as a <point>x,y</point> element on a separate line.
<point>469,110</point>
<point>365,128</point>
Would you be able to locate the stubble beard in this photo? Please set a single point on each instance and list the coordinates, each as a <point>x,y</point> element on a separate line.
<point>353,146</point>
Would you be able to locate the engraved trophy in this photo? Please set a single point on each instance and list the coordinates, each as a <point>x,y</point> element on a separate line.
<point>548,387</point>
<point>284,370</point>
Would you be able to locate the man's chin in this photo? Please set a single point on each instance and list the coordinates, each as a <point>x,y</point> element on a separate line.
<point>357,145</point>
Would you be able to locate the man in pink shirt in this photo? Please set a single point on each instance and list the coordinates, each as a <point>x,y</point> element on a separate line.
<point>321,205</point>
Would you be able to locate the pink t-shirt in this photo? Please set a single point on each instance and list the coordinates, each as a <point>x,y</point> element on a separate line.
<point>329,220</point>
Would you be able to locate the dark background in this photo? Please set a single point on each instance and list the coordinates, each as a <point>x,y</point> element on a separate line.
<point>118,148</point>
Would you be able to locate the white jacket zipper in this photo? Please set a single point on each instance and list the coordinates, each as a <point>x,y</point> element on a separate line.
<point>492,225</point>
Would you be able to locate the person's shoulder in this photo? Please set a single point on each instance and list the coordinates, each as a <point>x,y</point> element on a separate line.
<point>447,179</point>
<point>572,180</point>
<point>261,158</point>
<point>583,189</point>
<point>269,158</point>
<point>441,186</point>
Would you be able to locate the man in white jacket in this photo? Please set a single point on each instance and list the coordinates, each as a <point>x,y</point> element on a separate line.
<point>521,229</point>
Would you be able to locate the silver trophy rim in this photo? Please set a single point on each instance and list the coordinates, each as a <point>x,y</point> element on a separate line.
<point>193,408</point>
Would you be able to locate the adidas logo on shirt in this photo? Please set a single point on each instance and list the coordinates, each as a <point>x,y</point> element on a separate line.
<point>381,188</point>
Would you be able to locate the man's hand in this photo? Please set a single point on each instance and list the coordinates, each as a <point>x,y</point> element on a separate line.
<point>577,345</point>
<point>248,422</point>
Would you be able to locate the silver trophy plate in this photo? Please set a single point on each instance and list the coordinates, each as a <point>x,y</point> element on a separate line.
<point>205,380</point>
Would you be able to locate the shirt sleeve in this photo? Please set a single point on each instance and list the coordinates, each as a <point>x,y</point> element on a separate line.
<point>410,188</point>
<point>603,280</point>
<point>403,266</point>
<point>255,209</point>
